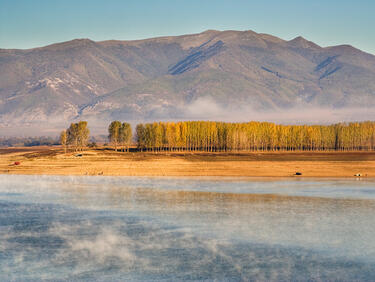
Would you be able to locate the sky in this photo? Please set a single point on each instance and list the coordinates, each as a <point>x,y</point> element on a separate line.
<point>34,23</point>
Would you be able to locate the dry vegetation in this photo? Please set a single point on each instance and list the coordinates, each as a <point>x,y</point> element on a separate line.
<point>52,160</point>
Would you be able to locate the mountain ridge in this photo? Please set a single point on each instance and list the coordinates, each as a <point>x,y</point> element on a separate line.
<point>165,37</point>
<point>164,77</point>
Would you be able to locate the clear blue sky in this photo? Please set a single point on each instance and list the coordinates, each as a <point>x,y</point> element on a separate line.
<point>31,23</point>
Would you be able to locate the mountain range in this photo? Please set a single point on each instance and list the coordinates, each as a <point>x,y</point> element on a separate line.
<point>210,75</point>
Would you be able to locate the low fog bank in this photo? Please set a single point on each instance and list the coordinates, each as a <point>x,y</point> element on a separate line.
<point>207,108</point>
<point>204,108</point>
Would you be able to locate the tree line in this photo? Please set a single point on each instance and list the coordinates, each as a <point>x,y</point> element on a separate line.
<point>254,136</point>
<point>28,141</point>
<point>210,136</point>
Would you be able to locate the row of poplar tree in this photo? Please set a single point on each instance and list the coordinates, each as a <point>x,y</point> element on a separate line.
<point>254,136</point>
<point>223,136</point>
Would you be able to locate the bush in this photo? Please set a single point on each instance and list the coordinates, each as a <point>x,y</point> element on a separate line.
<point>92,145</point>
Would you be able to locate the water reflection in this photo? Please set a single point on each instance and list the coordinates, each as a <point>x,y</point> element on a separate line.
<point>156,228</point>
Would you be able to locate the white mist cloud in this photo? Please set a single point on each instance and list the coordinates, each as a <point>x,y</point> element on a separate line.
<point>107,244</point>
<point>203,108</point>
<point>207,108</point>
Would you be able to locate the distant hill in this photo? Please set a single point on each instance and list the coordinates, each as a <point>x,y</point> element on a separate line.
<point>214,74</point>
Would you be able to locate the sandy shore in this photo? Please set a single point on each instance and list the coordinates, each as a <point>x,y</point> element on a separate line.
<point>52,160</point>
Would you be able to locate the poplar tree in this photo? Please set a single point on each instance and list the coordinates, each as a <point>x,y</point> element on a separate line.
<point>83,134</point>
<point>114,133</point>
<point>78,135</point>
<point>72,133</point>
<point>140,131</point>
<point>125,135</point>
<point>63,139</point>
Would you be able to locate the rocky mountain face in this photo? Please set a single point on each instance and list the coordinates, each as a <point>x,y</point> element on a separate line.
<point>214,74</point>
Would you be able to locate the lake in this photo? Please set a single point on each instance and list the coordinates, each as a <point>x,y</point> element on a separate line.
<point>100,228</point>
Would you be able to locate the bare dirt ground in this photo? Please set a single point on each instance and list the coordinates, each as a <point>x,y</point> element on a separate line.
<point>52,160</point>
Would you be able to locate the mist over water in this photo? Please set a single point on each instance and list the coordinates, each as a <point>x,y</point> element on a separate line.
<point>141,228</point>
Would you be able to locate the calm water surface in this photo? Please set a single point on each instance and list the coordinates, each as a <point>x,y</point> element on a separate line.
<point>167,229</point>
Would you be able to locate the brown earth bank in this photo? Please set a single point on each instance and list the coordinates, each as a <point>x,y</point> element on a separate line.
<point>105,161</point>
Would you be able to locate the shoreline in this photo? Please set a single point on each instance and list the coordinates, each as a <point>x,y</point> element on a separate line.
<point>208,177</point>
<point>53,161</point>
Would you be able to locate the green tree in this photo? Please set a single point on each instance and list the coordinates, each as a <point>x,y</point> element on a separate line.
<point>126,135</point>
<point>140,131</point>
<point>78,135</point>
<point>114,133</point>
<point>72,133</point>
<point>83,134</point>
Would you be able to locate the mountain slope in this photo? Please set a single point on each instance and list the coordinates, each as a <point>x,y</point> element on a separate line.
<point>166,78</point>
